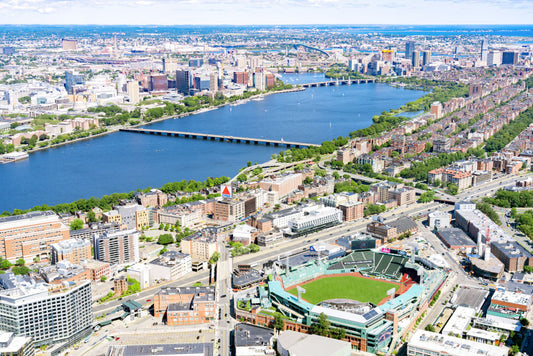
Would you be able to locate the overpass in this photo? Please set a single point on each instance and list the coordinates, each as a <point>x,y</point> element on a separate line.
<point>338,82</point>
<point>223,138</point>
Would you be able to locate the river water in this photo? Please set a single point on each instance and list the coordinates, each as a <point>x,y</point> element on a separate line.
<point>122,162</point>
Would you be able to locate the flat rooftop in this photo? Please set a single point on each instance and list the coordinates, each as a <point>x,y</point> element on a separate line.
<point>453,346</point>
<point>251,335</point>
<point>511,297</point>
<point>455,237</point>
<point>161,350</point>
<point>33,217</point>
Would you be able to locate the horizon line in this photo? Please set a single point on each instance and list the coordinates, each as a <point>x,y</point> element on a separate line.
<point>267,24</point>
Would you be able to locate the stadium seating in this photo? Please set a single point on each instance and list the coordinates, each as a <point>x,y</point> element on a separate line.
<point>375,263</point>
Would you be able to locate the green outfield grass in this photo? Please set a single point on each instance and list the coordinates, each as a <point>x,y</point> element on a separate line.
<point>349,287</point>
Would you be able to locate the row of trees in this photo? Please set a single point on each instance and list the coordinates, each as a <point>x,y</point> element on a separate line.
<point>509,131</point>
<point>322,327</point>
<point>300,154</point>
<point>193,185</point>
<point>508,199</point>
<point>351,186</point>
<point>524,222</point>
<point>107,201</point>
<point>240,249</point>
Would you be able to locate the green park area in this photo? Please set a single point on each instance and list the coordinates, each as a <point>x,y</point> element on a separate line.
<point>345,287</point>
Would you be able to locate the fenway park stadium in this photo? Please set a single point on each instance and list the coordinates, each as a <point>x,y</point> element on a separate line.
<point>376,296</point>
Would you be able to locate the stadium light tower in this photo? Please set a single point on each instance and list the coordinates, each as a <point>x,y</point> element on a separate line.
<point>391,293</point>
<point>300,292</point>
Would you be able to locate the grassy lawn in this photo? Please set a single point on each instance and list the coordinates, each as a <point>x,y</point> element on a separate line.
<point>349,287</point>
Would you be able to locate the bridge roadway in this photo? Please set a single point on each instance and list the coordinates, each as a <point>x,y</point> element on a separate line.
<point>338,82</point>
<point>213,137</point>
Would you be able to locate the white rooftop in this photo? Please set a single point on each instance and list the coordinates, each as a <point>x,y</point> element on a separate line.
<point>459,321</point>
<point>512,297</point>
<point>310,345</point>
<point>452,346</point>
<point>483,334</point>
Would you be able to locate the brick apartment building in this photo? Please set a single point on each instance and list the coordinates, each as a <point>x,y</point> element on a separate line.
<point>352,210</point>
<point>185,305</point>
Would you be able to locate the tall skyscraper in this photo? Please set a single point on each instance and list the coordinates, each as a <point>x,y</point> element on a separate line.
<point>415,59</point>
<point>494,58</point>
<point>484,50</point>
<point>183,81</point>
<point>510,57</point>
<point>158,82</point>
<point>426,57</point>
<point>196,62</point>
<point>409,49</point>
<point>133,91</point>
<point>170,65</point>
<point>259,80</point>
<point>213,82</point>
<point>117,247</point>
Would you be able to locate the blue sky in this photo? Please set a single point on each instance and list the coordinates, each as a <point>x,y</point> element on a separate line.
<point>183,12</point>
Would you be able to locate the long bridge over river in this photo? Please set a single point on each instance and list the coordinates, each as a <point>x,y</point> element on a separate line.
<point>223,138</point>
<point>338,82</point>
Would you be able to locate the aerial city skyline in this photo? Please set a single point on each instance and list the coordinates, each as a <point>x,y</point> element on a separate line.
<point>250,178</point>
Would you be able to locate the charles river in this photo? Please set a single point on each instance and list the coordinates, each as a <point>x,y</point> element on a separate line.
<point>122,162</point>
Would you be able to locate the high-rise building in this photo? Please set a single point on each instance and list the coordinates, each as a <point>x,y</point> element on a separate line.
<point>183,81</point>
<point>409,49</point>
<point>50,314</point>
<point>510,57</point>
<point>259,80</point>
<point>213,82</point>
<point>196,62</point>
<point>415,59</point>
<point>117,247</point>
<point>170,65</point>
<point>133,92</point>
<point>494,58</point>
<point>426,57</point>
<point>270,80</point>
<point>69,44</point>
<point>72,79</point>
<point>255,62</point>
<point>352,63</point>
<point>30,235</point>
<point>484,50</point>
<point>240,78</point>
<point>387,55</point>
<point>158,82</point>
<point>72,250</point>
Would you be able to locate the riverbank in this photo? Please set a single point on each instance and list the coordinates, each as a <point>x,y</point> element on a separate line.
<point>148,161</point>
<point>199,111</point>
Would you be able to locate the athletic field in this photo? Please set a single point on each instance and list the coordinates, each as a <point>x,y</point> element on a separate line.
<point>348,287</point>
